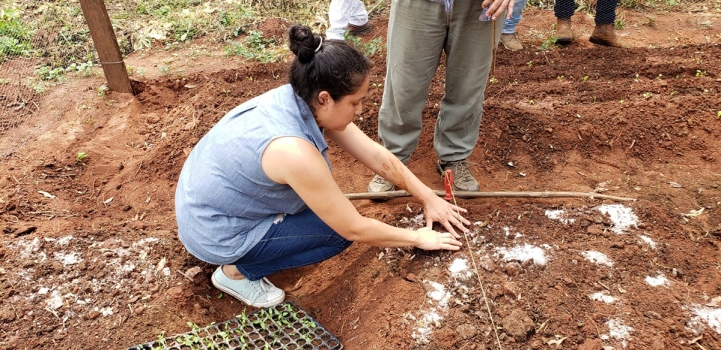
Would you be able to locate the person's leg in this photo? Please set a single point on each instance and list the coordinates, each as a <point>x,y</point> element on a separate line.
<point>509,25</point>
<point>339,13</point>
<point>297,240</point>
<point>358,14</point>
<point>469,50</point>
<point>606,11</point>
<point>604,33</point>
<point>416,33</point>
<point>509,39</point>
<point>563,9</point>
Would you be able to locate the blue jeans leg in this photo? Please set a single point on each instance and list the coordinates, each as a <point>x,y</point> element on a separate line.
<point>509,25</point>
<point>298,240</point>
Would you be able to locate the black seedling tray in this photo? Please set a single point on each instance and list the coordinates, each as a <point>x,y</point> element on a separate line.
<point>284,326</point>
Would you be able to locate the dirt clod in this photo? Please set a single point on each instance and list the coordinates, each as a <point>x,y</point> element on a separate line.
<point>518,325</point>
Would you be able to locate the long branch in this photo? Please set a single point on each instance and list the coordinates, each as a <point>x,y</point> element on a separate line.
<point>473,194</point>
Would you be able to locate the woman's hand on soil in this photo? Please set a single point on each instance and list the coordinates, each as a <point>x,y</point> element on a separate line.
<point>446,214</point>
<point>433,240</point>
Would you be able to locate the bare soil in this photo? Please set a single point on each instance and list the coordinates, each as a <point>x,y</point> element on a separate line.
<point>90,256</point>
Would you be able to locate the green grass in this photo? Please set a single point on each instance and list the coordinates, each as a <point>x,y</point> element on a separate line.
<point>14,35</point>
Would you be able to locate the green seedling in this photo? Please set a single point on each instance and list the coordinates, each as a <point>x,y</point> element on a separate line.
<point>700,73</point>
<point>647,95</point>
<point>585,78</point>
<point>529,63</point>
<point>368,48</point>
<point>619,24</point>
<point>718,114</point>
<point>494,80</point>
<point>102,89</point>
<point>550,43</point>
<point>560,77</point>
<point>81,157</point>
<point>161,342</point>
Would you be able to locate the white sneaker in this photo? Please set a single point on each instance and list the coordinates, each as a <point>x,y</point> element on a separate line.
<point>259,293</point>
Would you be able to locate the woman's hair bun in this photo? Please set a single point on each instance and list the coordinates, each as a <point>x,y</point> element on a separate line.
<point>303,42</point>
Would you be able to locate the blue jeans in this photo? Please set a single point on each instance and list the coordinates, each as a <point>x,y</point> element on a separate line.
<point>509,25</point>
<point>298,240</point>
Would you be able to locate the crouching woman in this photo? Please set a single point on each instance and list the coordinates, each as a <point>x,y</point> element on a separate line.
<point>256,194</point>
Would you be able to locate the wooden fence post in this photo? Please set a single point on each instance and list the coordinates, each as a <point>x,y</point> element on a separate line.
<point>106,45</point>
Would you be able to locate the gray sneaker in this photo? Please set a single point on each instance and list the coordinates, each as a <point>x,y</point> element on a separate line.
<point>463,179</point>
<point>379,184</point>
<point>259,293</point>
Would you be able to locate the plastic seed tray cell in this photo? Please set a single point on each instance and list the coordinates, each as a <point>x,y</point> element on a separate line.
<point>284,326</point>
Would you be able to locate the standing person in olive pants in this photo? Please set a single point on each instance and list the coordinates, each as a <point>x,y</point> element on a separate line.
<point>419,32</point>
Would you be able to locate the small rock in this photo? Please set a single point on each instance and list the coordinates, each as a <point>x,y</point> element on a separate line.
<point>658,344</point>
<point>93,314</point>
<point>411,277</point>
<point>518,325</point>
<point>618,245</point>
<point>591,344</point>
<point>510,288</point>
<point>139,310</point>
<point>652,314</point>
<point>594,230</point>
<point>175,292</point>
<point>7,315</point>
<point>467,331</point>
<point>512,269</point>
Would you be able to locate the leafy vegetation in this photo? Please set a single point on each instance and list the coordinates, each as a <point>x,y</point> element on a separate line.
<point>273,325</point>
<point>14,35</point>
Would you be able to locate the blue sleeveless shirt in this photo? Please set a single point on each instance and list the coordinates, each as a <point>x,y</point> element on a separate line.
<point>224,202</point>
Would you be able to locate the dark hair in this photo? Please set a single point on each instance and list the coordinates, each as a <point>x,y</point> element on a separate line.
<point>329,65</point>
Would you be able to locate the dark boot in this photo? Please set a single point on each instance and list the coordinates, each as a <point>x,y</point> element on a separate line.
<point>564,33</point>
<point>605,34</point>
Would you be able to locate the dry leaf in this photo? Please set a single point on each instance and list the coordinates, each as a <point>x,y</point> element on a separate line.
<point>694,213</point>
<point>48,195</point>
<point>675,185</point>
<point>621,290</point>
<point>714,302</point>
<point>191,272</point>
<point>161,264</point>
<point>556,341</point>
<point>690,342</point>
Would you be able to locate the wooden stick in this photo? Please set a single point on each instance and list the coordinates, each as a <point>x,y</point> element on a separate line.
<point>106,44</point>
<point>473,194</point>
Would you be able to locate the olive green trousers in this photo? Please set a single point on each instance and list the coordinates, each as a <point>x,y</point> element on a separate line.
<point>419,31</point>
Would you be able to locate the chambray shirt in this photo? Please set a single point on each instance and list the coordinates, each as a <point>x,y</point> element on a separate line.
<point>224,202</point>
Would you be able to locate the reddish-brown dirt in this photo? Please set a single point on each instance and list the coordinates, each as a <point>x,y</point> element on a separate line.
<point>90,258</point>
